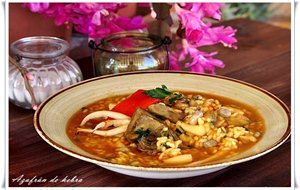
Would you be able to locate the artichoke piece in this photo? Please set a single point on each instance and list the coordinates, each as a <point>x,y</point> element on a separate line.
<point>165,112</point>
<point>210,143</point>
<point>211,116</point>
<point>224,112</point>
<point>144,129</point>
<point>239,120</point>
<point>198,130</point>
<point>233,110</point>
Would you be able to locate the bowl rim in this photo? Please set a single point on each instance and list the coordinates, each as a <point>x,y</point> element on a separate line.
<point>61,148</point>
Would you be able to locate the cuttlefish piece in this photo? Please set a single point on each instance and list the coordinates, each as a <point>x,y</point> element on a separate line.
<point>108,123</point>
<point>99,126</point>
<point>105,114</point>
<point>116,123</point>
<point>111,132</point>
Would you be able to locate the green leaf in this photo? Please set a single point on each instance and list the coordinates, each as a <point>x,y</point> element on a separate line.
<point>142,133</point>
<point>159,93</point>
<point>162,93</point>
<point>174,97</point>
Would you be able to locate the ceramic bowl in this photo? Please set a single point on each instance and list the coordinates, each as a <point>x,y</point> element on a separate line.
<point>51,117</point>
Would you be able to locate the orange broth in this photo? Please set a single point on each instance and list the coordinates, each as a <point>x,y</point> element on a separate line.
<point>105,147</point>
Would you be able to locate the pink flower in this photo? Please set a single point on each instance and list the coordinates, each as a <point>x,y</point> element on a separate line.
<point>212,10</point>
<point>134,23</point>
<point>56,11</point>
<point>194,35</point>
<point>187,18</point>
<point>36,7</point>
<point>203,62</point>
<point>95,19</point>
<point>100,19</point>
<point>220,34</point>
<point>200,33</point>
<point>174,63</point>
<point>196,60</point>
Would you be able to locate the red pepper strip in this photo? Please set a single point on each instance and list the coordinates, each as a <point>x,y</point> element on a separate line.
<point>134,101</point>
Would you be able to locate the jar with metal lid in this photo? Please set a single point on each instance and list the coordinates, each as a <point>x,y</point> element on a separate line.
<point>129,51</point>
<point>38,69</point>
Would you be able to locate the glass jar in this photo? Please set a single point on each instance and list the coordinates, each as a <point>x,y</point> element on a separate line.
<point>48,69</point>
<point>129,51</point>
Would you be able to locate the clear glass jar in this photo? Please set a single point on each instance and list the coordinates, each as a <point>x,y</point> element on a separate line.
<point>45,60</point>
<point>129,51</point>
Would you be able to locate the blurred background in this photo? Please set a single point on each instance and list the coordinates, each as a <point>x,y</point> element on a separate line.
<point>278,14</point>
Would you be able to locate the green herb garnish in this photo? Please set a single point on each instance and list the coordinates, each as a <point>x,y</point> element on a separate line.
<point>142,133</point>
<point>159,93</point>
<point>174,97</point>
<point>162,93</point>
<point>179,130</point>
<point>165,145</point>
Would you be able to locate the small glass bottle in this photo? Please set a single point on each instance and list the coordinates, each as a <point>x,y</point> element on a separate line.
<point>45,60</point>
<point>129,51</point>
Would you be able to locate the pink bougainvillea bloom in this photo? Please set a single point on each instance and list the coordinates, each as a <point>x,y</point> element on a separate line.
<point>94,19</point>
<point>203,61</point>
<point>212,10</point>
<point>57,11</point>
<point>134,23</point>
<point>201,10</point>
<point>200,61</point>
<point>36,7</point>
<point>174,64</point>
<point>194,35</point>
<point>220,34</point>
<point>201,34</point>
<point>101,19</point>
<point>188,18</point>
